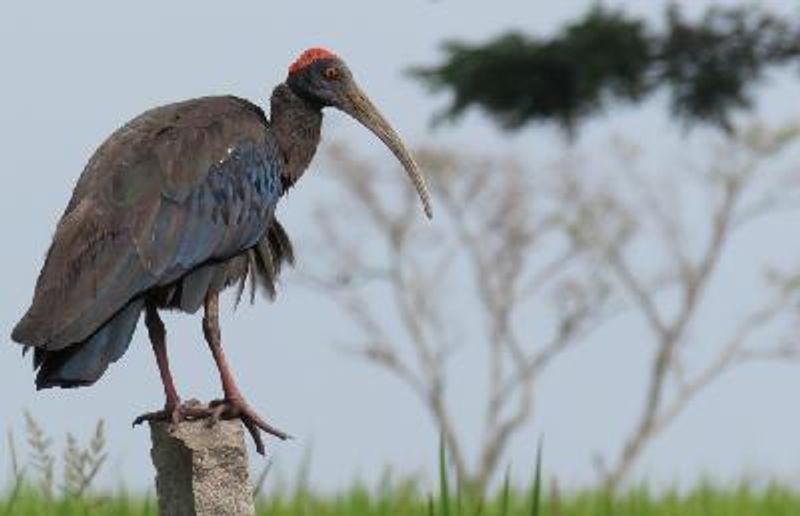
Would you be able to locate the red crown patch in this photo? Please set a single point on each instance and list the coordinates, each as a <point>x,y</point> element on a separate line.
<point>308,57</point>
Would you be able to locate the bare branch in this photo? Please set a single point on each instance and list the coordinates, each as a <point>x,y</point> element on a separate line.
<point>576,237</point>
<point>724,184</point>
<point>492,223</point>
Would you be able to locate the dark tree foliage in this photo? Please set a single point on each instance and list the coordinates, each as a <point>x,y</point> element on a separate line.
<point>712,66</point>
<point>709,67</point>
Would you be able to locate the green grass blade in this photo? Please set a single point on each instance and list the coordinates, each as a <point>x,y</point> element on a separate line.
<point>536,490</point>
<point>444,491</point>
<point>504,505</point>
<point>459,497</point>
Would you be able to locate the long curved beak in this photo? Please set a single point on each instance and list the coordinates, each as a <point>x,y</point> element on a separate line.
<point>358,105</point>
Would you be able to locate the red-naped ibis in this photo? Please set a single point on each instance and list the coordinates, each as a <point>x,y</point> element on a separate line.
<point>173,208</point>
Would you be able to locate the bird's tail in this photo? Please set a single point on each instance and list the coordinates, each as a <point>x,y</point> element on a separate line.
<point>83,363</point>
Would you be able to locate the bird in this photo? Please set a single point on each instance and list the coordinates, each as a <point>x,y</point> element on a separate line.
<point>173,208</point>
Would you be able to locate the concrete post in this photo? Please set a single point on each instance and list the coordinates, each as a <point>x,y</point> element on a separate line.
<point>201,471</point>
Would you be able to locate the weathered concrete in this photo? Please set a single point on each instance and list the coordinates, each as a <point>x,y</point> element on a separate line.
<point>201,471</point>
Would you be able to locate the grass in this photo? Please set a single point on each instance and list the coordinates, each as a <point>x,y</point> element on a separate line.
<point>34,491</point>
<point>405,498</point>
<point>30,501</point>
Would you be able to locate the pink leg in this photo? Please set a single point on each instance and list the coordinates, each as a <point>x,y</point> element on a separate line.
<point>233,405</point>
<point>158,334</point>
<point>173,411</point>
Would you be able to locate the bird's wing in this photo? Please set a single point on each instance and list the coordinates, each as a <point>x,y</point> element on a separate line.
<point>176,187</point>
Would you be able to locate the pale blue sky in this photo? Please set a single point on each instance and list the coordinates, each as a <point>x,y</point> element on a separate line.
<point>74,71</point>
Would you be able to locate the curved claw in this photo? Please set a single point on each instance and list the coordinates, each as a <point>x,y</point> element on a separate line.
<point>237,408</point>
<point>174,415</point>
<point>255,435</point>
<point>158,415</point>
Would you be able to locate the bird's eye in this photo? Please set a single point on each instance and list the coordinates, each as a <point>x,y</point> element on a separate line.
<point>332,73</point>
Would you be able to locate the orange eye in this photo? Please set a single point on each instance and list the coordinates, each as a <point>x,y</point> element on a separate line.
<point>332,73</point>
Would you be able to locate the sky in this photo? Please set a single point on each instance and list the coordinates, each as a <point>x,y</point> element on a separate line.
<point>74,71</point>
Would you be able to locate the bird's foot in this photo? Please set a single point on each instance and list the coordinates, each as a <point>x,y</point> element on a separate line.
<point>176,412</point>
<point>237,408</point>
<point>228,408</point>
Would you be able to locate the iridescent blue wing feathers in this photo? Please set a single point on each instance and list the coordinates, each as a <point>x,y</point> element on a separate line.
<point>177,192</point>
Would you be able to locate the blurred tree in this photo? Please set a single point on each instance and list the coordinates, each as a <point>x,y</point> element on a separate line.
<point>709,67</point>
<point>536,270</point>
<point>663,262</point>
<point>498,246</point>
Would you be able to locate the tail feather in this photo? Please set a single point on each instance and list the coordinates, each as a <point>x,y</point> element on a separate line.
<point>280,243</point>
<point>83,363</point>
<point>271,253</point>
<point>260,265</point>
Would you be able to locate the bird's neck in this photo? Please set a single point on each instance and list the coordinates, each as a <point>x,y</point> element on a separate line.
<point>296,123</point>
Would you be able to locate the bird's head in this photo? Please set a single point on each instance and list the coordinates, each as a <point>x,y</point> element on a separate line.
<point>322,78</point>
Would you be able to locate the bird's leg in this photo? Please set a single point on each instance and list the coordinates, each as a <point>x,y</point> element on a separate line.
<point>233,405</point>
<point>173,411</point>
<point>158,338</point>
